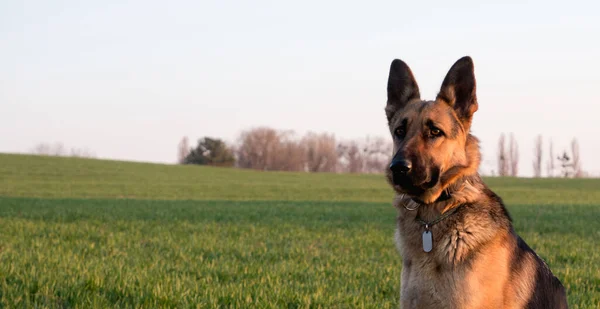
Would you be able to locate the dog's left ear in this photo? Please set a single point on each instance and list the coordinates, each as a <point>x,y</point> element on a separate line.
<point>458,90</point>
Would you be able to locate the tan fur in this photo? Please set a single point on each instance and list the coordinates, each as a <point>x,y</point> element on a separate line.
<point>522,284</point>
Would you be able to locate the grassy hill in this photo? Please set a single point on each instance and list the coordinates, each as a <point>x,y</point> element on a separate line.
<point>58,177</point>
<point>80,233</point>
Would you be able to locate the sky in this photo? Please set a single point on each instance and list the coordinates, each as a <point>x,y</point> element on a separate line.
<point>128,79</point>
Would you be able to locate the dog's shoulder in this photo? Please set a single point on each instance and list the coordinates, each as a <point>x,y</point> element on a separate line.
<point>547,291</point>
<point>530,275</point>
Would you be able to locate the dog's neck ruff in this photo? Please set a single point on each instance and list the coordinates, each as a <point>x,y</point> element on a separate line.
<point>452,203</point>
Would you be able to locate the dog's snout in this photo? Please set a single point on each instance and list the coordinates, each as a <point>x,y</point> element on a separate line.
<point>400,165</point>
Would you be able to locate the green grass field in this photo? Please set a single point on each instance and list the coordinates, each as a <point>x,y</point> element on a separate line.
<point>77,233</point>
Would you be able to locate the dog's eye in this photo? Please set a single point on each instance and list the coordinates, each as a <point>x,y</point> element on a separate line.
<point>400,132</point>
<point>435,132</point>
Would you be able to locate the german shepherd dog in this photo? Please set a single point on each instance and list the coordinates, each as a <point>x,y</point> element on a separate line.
<point>455,236</point>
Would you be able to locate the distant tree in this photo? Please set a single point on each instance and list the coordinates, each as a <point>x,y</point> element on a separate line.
<point>550,164</point>
<point>513,153</point>
<point>183,150</point>
<point>369,155</point>
<point>289,154</point>
<point>58,149</point>
<point>576,162</point>
<point>47,149</point>
<point>82,153</point>
<point>320,152</point>
<point>350,157</point>
<point>257,148</point>
<point>503,159</point>
<point>270,150</point>
<point>537,157</point>
<point>565,163</point>
<point>211,151</point>
<point>42,149</point>
<point>377,153</point>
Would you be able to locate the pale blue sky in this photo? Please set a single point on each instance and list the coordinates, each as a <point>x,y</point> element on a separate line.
<point>128,79</point>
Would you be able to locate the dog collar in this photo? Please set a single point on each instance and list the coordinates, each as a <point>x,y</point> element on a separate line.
<point>443,197</point>
<point>427,234</point>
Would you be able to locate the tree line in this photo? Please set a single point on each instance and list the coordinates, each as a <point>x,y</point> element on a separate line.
<point>269,149</point>
<point>58,149</point>
<point>569,161</point>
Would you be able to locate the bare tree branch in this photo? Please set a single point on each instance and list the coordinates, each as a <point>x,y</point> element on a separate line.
<point>503,158</point>
<point>513,156</point>
<point>576,162</point>
<point>537,157</point>
<point>58,149</point>
<point>550,164</point>
<point>183,150</point>
<point>267,149</point>
<point>321,153</point>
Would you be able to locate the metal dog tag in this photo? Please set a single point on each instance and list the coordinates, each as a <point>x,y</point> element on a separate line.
<point>427,241</point>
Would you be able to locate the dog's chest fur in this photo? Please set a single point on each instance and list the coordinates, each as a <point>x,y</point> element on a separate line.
<point>450,275</point>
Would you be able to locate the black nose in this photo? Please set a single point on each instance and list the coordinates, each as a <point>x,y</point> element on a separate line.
<point>400,165</point>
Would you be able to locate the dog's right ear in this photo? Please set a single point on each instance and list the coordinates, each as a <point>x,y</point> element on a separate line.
<point>402,88</point>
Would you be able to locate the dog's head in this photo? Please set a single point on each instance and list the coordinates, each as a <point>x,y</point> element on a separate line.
<point>432,144</point>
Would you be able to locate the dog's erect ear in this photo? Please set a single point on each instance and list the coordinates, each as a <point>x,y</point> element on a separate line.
<point>458,90</point>
<point>402,87</point>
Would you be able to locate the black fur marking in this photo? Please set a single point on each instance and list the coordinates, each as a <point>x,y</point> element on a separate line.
<point>517,256</point>
<point>548,292</point>
<point>496,199</point>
